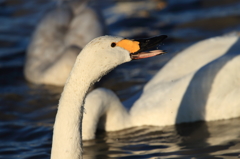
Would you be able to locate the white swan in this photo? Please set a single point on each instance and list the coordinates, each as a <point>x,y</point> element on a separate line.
<point>57,41</point>
<point>200,83</point>
<point>97,58</point>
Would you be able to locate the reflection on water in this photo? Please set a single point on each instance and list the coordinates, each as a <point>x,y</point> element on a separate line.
<point>198,139</point>
<point>27,111</point>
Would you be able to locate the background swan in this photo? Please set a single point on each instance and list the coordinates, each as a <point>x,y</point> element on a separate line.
<point>58,39</point>
<point>96,59</point>
<point>200,83</point>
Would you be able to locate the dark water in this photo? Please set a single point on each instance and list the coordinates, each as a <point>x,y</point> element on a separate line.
<point>27,111</point>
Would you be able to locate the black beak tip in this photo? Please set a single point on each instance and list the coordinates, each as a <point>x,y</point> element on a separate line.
<point>146,44</point>
<point>162,37</point>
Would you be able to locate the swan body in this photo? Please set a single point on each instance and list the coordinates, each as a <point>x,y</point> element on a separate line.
<point>199,83</point>
<point>57,41</point>
<point>96,59</point>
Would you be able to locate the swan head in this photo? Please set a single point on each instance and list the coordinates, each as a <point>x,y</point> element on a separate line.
<point>106,52</point>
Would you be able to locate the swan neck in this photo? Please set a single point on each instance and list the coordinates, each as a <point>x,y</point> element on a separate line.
<point>67,137</point>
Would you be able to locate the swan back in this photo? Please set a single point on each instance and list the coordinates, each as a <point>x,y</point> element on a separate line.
<point>193,58</point>
<point>200,83</point>
<point>57,41</point>
<point>47,44</point>
<point>87,24</point>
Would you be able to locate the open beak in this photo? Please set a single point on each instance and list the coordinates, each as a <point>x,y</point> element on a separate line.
<point>141,48</point>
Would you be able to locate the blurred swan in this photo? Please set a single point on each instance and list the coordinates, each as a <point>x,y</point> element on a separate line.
<point>58,39</point>
<point>96,59</point>
<point>200,83</point>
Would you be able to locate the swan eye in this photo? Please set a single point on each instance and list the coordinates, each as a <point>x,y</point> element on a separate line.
<point>113,44</point>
